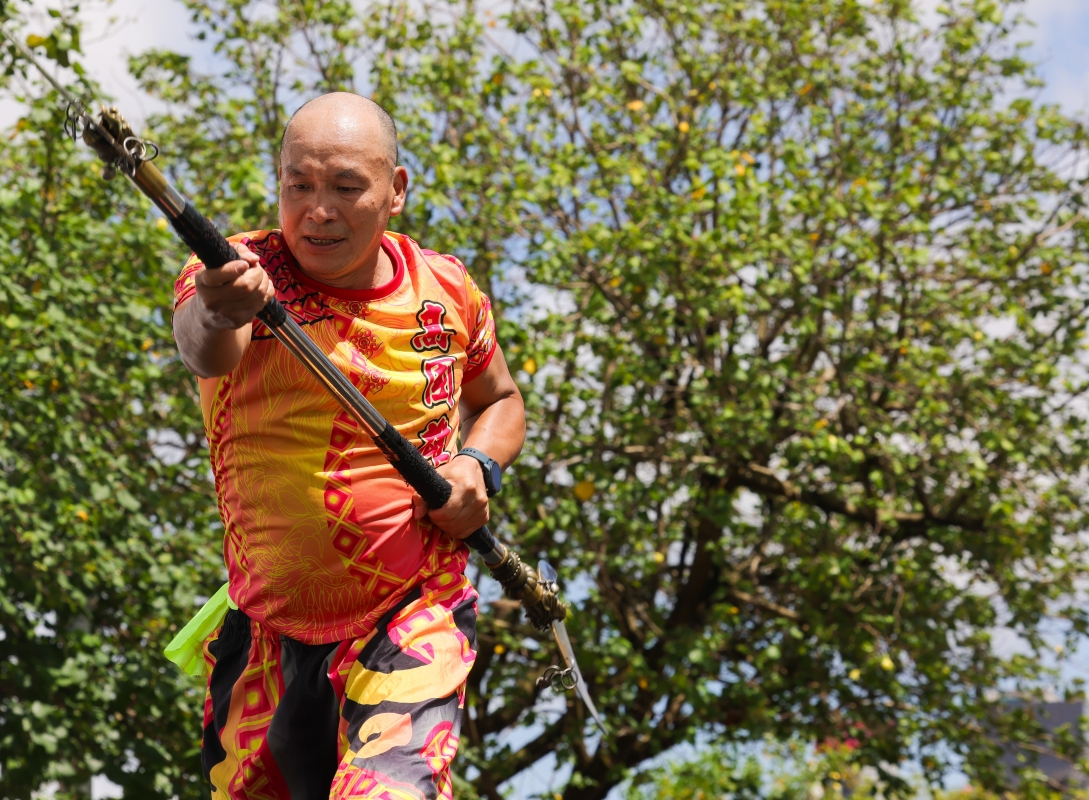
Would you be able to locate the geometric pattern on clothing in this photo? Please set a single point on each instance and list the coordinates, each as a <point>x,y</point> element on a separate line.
<point>377,717</point>
<point>319,536</point>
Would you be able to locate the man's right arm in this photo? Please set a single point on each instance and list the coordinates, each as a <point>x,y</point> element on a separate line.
<point>212,328</point>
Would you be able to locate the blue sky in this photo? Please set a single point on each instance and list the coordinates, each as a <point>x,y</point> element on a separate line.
<point>1061,49</point>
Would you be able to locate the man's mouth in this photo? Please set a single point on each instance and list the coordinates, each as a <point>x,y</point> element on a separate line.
<point>317,241</point>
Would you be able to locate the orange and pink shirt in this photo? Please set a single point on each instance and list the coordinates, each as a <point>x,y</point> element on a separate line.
<point>319,536</point>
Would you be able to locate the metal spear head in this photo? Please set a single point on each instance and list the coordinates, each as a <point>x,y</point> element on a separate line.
<point>546,573</point>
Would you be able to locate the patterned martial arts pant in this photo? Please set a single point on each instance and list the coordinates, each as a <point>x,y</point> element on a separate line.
<point>376,717</point>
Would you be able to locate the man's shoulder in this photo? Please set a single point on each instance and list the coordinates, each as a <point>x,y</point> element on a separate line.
<point>266,238</point>
<point>269,246</point>
<point>436,261</point>
<point>258,241</point>
<point>444,261</point>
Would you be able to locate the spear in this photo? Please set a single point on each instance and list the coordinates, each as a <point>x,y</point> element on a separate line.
<point>121,150</point>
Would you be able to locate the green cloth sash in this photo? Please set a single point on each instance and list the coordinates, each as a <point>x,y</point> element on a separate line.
<point>187,648</point>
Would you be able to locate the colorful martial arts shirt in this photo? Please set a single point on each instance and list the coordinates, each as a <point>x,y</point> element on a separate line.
<point>319,540</point>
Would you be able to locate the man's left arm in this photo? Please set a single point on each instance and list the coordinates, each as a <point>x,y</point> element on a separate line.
<point>493,421</point>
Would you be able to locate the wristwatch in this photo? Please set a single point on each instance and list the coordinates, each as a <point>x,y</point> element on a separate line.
<point>493,473</point>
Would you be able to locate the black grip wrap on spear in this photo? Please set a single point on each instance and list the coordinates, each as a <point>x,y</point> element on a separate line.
<point>198,232</point>
<point>518,580</point>
<point>209,245</point>
<point>414,468</point>
<point>273,314</point>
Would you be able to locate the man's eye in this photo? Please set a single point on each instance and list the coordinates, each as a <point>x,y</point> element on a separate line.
<point>348,189</point>
<point>299,187</point>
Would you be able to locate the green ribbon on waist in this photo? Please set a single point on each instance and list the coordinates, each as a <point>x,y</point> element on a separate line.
<point>187,648</point>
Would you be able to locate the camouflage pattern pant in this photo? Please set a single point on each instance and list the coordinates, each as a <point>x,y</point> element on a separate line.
<point>376,717</point>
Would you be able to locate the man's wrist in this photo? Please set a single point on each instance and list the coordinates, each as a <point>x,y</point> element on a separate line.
<point>212,320</point>
<point>489,467</point>
<point>204,317</point>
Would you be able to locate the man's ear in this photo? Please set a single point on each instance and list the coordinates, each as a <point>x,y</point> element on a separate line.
<point>400,190</point>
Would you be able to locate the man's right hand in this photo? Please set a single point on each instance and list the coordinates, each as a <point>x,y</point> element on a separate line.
<point>213,328</point>
<point>232,295</point>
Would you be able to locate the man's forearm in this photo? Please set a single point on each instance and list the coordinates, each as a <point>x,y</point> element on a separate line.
<point>499,430</point>
<point>207,351</point>
<point>213,327</point>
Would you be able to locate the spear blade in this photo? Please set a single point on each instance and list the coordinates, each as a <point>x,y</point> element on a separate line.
<point>548,575</point>
<point>559,631</point>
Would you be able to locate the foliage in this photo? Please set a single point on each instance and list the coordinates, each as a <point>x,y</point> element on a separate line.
<point>796,293</point>
<point>806,402</point>
<point>706,777</point>
<point>774,771</point>
<point>105,524</point>
<point>799,771</point>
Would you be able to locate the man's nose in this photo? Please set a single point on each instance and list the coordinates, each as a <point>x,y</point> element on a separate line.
<point>323,209</point>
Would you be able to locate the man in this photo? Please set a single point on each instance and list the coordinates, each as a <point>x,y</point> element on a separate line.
<point>341,674</point>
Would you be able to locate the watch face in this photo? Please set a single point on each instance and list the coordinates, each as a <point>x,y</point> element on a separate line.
<point>496,476</point>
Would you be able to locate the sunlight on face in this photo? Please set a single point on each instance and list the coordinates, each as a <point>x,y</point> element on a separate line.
<point>338,190</point>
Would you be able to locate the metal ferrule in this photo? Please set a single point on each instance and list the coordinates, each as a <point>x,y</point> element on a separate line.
<point>171,202</point>
<point>494,557</point>
<point>153,183</point>
<point>334,381</point>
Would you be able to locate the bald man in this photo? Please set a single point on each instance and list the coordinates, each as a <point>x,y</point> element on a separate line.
<point>341,673</point>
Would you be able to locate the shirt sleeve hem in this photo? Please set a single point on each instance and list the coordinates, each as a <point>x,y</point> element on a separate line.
<point>475,372</point>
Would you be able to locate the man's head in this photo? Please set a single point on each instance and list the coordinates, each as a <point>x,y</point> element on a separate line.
<point>339,184</point>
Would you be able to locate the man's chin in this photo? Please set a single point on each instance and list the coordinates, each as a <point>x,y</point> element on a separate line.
<point>320,260</point>
<point>321,264</point>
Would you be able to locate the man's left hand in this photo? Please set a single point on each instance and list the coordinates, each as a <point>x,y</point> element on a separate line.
<point>467,509</point>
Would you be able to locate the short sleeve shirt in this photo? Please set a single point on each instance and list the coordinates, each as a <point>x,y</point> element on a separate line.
<point>319,536</point>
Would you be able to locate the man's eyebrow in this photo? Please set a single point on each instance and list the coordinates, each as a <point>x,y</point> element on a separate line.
<point>348,173</point>
<point>351,174</point>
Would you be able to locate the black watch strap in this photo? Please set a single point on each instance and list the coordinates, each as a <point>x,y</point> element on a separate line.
<point>493,473</point>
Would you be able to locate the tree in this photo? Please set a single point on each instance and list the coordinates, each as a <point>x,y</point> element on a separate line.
<point>106,532</point>
<point>796,292</point>
<point>774,770</point>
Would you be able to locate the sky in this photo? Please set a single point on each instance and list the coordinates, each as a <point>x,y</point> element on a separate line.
<point>1061,48</point>
<point>118,29</point>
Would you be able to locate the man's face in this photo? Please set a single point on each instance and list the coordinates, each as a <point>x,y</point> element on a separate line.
<point>338,191</point>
